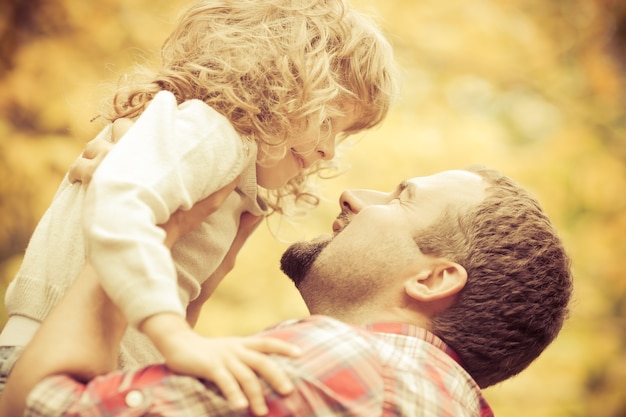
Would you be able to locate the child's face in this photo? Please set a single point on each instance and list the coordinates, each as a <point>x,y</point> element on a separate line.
<point>302,152</point>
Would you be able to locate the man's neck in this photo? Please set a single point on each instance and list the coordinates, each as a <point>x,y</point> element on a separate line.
<point>365,316</point>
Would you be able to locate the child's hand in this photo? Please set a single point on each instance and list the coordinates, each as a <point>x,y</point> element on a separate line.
<point>85,165</point>
<point>233,364</point>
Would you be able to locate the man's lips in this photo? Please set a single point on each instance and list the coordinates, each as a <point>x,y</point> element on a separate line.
<point>341,222</point>
<point>336,226</point>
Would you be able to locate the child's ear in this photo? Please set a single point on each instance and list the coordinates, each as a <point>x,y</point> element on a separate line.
<point>443,278</point>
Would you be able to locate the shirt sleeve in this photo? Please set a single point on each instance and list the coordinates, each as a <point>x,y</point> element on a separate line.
<point>335,375</point>
<point>52,397</point>
<point>173,156</point>
<point>153,391</point>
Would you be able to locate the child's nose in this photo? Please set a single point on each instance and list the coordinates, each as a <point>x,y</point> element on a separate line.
<point>326,149</point>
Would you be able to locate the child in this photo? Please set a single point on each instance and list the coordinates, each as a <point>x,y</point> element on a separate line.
<point>253,91</point>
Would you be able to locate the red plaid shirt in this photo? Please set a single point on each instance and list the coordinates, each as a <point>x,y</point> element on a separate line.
<point>385,369</point>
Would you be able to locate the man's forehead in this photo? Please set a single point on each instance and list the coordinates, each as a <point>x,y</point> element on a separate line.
<point>443,177</point>
<point>457,181</point>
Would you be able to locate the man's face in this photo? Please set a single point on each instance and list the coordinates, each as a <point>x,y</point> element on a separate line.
<point>374,238</point>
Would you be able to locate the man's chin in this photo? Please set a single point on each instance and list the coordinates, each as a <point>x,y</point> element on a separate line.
<point>298,258</point>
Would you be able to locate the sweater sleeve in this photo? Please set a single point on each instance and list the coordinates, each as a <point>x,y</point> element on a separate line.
<point>171,158</point>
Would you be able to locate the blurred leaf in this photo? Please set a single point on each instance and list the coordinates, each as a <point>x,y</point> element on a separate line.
<point>533,88</point>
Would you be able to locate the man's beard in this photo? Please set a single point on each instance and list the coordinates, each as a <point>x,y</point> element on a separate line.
<point>298,258</point>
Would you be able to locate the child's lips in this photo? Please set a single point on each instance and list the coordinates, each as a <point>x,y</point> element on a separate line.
<point>301,161</point>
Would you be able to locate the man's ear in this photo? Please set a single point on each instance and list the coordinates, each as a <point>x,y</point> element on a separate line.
<point>442,278</point>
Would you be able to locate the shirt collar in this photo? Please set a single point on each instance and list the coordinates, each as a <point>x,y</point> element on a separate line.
<point>416,332</point>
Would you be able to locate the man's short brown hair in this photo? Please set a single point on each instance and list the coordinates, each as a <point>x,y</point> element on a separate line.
<point>519,280</point>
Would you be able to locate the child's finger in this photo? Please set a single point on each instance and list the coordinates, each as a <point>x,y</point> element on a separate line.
<point>272,345</point>
<point>81,170</point>
<point>85,165</point>
<point>97,149</point>
<point>229,387</point>
<point>120,127</point>
<point>250,383</point>
<point>267,369</point>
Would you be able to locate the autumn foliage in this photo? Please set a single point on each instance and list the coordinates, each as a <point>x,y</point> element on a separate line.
<point>533,88</point>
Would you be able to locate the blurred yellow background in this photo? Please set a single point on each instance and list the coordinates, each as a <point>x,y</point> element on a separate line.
<point>534,88</point>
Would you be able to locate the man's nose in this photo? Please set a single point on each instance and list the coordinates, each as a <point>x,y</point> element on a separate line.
<point>348,202</point>
<point>356,200</point>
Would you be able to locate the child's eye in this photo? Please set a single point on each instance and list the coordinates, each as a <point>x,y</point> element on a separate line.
<point>327,126</point>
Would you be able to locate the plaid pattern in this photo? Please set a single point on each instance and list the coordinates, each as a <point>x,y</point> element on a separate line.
<point>386,369</point>
<point>8,357</point>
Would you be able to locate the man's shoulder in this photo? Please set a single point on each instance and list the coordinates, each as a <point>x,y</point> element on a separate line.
<point>339,367</point>
<point>323,339</point>
<point>367,362</point>
<point>305,328</point>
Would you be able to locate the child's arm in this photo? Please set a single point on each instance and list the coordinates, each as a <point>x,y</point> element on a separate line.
<point>85,345</point>
<point>82,170</point>
<point>170,158</point>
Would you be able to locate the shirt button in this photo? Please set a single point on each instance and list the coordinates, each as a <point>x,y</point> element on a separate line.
<point>134,398</point>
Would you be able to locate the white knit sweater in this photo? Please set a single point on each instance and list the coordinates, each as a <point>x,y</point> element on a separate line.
<point>173,156</point>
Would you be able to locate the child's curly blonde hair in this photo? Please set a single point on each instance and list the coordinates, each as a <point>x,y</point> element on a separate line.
<point>273,68</point>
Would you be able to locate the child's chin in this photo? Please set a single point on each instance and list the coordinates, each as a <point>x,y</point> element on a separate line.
<point>277,183</point>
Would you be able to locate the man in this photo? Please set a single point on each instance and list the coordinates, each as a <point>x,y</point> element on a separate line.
<point>422,295</point>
